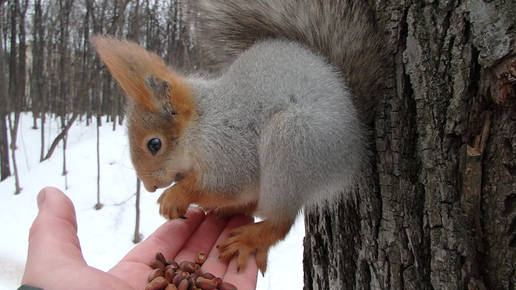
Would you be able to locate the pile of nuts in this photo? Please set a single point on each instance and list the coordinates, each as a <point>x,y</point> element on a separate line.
<point>169,275</point>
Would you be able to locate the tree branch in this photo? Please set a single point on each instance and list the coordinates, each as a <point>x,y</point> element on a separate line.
<point>60,136</point>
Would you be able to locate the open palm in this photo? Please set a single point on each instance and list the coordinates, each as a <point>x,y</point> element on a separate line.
<point>55,259</point>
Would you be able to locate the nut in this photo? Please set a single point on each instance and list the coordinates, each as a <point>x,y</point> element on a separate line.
<point>180,275</point>
<point>201,258</point>
<point>159,283</point>
<point>171,287</point>
<point>227,286</point>
<point>219,282</point>
<point>191,284</point>
<point>182,265</point>
<point>161,258</point>
<point>156,264</point>
<point>187,266</point>
<point>170,273</point>
<point>173,264</point>
<point>183,285</point>
<point>205,284</point>
<point>196,273</point>
<point>208,276</point>
<point>154,274</point>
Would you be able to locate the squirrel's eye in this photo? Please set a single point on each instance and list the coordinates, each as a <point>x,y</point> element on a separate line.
<point>154,145</point>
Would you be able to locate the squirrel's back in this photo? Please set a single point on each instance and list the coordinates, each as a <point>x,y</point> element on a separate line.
<point>274,78</point>
<point>343,31</point>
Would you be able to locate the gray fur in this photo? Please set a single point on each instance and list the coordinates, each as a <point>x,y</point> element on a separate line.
<point>342,31</point>
<point>280,116</point>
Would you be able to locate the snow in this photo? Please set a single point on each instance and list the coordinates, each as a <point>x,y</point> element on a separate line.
<point>106,235</point>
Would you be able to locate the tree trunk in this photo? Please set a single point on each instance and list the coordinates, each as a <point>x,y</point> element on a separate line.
<point>13,129</point>
<point>137,236</point>
<point>98,205</point>
<point>65,171</point>
<point>5,170</point>
<point>438,211</point>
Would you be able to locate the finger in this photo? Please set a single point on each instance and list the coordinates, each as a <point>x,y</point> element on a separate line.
<point>167,239</point>
<point>53,238</point>
<point>243,279</point>
<point>203,239</point>
<point>213,264</point>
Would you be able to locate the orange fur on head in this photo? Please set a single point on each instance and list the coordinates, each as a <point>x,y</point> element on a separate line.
<point>130,64</point>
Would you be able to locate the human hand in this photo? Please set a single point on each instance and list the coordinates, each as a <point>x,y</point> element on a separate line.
<point>55,259</point>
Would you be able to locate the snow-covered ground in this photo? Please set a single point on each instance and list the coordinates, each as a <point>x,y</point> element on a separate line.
<point>106,235</point>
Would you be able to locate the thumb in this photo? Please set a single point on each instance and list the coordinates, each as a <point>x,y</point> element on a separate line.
<point>53,241</point>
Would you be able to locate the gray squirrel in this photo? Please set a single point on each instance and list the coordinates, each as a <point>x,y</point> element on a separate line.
<point>283,125</point>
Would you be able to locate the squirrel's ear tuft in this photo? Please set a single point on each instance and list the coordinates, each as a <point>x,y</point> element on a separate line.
<point>140,73</point>
<point>159,88</point>
<point>161,91</point>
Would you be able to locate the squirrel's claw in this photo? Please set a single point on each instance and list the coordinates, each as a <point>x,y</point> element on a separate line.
<point>254,239</point>
<point>170,206</point>
<point>240,245</point>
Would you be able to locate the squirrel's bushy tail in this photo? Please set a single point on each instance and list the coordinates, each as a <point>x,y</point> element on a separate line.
<point>344,31</point>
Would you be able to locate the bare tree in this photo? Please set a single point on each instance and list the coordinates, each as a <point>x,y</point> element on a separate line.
<point>98,205</point>
<point>17,77</point>
<point>37,75</point>
<point>137,236</point>
<point>5,170</point>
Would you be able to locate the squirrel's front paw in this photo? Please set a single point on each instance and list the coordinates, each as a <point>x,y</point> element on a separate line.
<point>171,205</point>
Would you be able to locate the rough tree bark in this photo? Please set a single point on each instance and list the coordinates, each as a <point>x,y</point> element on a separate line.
<point>439,209</point>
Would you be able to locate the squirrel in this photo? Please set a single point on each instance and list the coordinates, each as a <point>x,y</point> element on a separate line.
<point>282,126</point>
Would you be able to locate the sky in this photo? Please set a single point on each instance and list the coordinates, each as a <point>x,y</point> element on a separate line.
<point>106,235</point>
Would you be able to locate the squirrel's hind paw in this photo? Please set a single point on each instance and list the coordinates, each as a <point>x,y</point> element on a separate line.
<point>227,211</point>
<point>241,246</point>
<point>253,239</point>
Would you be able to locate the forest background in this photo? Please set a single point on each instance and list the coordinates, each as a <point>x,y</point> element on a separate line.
<point>49,67</point>
<point>50,74</point>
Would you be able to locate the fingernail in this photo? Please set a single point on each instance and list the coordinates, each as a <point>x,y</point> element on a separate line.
<point>42,195</point>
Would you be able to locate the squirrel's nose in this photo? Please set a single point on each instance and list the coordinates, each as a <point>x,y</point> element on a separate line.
<point>150,187</point>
